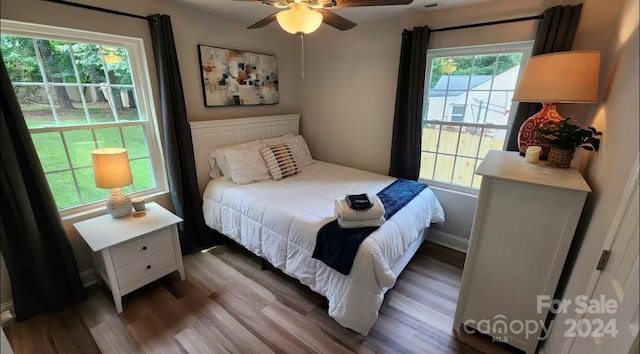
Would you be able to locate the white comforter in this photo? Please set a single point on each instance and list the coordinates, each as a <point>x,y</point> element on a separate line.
<point>279,221</point>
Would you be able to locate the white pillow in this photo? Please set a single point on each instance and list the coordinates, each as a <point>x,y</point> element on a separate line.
<point>218,162</point>
<point>277,140</point>
<point>298,147</point>
<point>246,165</point>
<point>214,169</point>
<point>300,151</point>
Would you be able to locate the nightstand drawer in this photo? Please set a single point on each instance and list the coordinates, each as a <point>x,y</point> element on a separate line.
<point>143,268</point>
<point>146,246</point>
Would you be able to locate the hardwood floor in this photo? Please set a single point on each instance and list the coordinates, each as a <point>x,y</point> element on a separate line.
<point>228,305</point>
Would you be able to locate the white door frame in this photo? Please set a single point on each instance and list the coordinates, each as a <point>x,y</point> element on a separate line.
<point>608,242</point>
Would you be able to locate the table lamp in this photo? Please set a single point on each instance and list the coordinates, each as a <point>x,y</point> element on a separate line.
<point>562,77</point>
<point>111,170</point>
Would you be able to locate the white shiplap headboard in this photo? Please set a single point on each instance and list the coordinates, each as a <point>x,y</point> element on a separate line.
<point>210,135</point>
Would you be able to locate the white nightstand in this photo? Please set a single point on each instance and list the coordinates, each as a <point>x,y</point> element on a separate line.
<point>130,252</point>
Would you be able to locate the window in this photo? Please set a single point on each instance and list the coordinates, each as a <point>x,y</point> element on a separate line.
<point>467,109</point>
<point>80,91</point>
<point>457,112</point>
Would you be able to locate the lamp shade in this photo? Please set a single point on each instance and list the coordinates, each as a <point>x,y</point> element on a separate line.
<point>562,77</point>
<point>299,19</point>
<point>111,168</point>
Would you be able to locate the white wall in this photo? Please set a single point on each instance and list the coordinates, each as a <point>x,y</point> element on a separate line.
<point>612,28</point>
<point>191,27</point>
<point>349,88</point>
<point>486,11</point>
<point>5,347</point>
<point>348,94</point>
<point>458,210</point>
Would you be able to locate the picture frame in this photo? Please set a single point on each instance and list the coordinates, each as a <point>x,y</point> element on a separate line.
<point>233,77</point>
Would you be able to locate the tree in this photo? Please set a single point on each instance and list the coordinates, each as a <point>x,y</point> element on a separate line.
<point>466,65</point>
<point>22,66</point>
<point>20,59</point>
<point>53,65</point>
<point>89,58</point>
<point>89,64</point>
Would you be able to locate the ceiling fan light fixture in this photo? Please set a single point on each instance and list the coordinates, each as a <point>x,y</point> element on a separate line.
<point>299,19</point>
<point>320,4</point>
<point>281,4</point>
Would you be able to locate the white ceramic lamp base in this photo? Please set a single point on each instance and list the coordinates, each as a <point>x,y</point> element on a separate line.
<point>119,204</point>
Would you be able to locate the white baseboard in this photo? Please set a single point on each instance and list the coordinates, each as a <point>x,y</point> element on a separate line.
<point>448,240</point>
<point>6,306</point>
<point>88,277</point>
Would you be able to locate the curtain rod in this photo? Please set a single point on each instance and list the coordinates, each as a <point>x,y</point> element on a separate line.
<point>482,24</point>
<point>114,12</point>
<point>96,8</point>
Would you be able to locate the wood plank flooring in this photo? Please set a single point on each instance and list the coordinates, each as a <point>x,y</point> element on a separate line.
<point>228,305</point>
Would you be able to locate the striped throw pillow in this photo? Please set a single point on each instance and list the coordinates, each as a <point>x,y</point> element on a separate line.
<point>280,161</point>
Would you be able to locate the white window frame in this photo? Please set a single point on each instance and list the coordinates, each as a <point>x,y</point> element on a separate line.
<point>144,98</point>
<point>453,107</point>
<point>523,46</point>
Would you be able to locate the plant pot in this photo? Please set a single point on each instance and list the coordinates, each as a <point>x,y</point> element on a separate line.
<point>560,158</point>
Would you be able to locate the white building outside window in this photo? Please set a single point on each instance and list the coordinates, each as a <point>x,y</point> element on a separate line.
<point>467,109</point>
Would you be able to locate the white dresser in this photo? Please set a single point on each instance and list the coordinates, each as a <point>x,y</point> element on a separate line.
<point>523,226</point>
<point>132,251</point>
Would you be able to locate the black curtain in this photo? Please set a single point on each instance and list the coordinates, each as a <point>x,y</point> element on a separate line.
<point>407,121</point>
<point>555,33</point>
<point>178,147</point>
<point>37,253</point>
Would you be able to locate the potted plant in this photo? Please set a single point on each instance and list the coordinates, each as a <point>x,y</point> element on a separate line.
<point>564,137</point>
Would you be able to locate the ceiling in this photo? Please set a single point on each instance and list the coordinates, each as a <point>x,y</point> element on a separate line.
<point>250,12</point>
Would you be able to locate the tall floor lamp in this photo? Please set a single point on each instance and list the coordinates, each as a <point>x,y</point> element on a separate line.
<point>562,77</point>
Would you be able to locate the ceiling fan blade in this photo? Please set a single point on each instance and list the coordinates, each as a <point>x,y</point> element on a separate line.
<point>358,3</point>
<point>265,21</point>
<point>336,21</point>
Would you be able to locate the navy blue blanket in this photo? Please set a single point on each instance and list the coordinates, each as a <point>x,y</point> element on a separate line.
<point>337,247</point>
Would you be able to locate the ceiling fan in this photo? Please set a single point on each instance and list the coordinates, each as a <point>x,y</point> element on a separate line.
<point>305,16</point>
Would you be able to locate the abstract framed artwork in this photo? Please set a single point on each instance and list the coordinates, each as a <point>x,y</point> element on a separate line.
<point>238,78</point>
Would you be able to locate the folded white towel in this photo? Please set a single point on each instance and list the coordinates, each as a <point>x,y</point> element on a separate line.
<point>343,211</point>
<point>354,224</point>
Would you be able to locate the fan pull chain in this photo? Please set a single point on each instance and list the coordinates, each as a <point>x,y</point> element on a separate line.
<point>302,56</point>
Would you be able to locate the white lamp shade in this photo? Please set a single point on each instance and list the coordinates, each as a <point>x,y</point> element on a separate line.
<point>562,77</point>
<point>111,168</point>
<point>299,19</point>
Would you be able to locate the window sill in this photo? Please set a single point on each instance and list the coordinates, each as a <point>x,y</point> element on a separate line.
<point>471,192</point>
<point>101,210</point>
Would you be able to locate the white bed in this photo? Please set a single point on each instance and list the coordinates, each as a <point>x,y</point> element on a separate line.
<point>279,221</point>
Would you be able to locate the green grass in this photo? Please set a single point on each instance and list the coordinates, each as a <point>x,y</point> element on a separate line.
<point>457,170</point>
<point>80,143</point>
<point>40,115</point>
